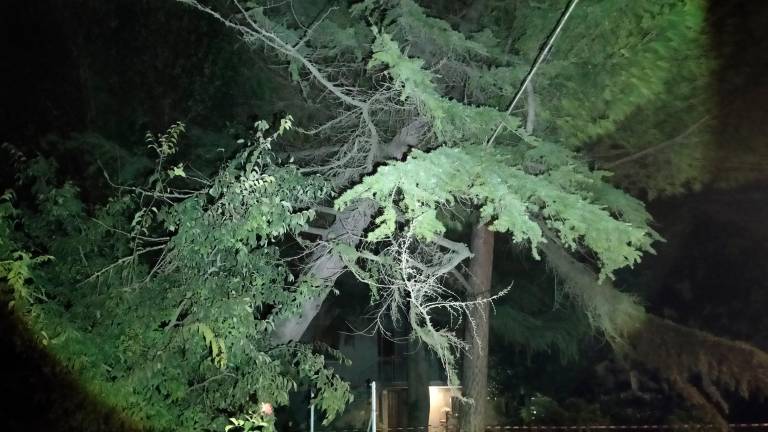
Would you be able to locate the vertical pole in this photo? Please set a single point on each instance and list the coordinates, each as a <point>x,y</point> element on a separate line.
<point>312,411</point>
<point>373,406</point>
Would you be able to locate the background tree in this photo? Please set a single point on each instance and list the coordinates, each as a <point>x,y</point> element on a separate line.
<point>201,281</point>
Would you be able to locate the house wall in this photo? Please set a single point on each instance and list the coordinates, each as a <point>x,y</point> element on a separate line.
<point>363,352</point>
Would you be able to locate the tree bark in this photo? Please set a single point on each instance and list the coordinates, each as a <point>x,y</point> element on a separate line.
<point>348,227</point>
<point>326,266</point>
<point>475,380</point>
<point>530,119</point>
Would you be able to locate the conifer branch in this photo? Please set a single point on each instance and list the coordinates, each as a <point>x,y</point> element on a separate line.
<point>535,67</point>
<point>657,147</point>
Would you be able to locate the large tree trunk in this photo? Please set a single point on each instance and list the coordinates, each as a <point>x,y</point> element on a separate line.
<point>326,266</point>
<point>475,380</point>
<point>348,228</point>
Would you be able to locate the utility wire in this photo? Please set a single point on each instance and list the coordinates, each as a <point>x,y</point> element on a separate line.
<point>536,64</point>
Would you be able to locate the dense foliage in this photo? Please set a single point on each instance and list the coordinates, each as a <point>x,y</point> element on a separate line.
<point>180,296</point>
<point>186,331</point>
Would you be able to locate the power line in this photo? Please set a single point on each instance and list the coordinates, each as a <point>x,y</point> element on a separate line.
<point>536,64</point>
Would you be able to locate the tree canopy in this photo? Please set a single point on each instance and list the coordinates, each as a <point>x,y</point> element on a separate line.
<point>181,295</point>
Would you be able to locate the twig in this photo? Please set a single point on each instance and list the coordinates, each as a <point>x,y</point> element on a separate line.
<point>137,236</point>
<point>120,262</point>
<point>309,31</point>
<point>657,147</point>
<point>175,320</point>
<point>206,382</point>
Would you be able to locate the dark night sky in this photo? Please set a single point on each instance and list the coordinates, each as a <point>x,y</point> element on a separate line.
<point>712,272</point>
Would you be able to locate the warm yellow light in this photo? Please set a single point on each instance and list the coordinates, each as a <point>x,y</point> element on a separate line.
<point>440,403</point>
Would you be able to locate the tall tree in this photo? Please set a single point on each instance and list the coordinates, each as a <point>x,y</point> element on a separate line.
<point>188,279</point>
<point>475,376</point>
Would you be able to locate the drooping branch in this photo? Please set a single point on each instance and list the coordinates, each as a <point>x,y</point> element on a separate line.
<point>610,311</point>
<point>698,364</point>
<point>657,147</point>
<point>255,31</point>
<point>252,30</point>
<point>681,355</point>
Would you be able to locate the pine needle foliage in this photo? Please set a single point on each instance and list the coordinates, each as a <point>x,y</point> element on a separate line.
<point>537,317</point>
<point>164,298</point>
<point>700,366</point>
<point>510,199</point>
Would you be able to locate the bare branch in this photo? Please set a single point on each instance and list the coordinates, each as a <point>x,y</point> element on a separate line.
<point>657,147</point>
<point>121,261</point>
<point>312,28</point>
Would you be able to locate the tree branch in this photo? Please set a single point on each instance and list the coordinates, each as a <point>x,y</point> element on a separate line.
<point>530,119</point>
<point>657,147</point>
<point>535,67</point>
<point>120,262</point>
<point>257,32</point>
<point>321,232</point>
<point>312,28</point>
